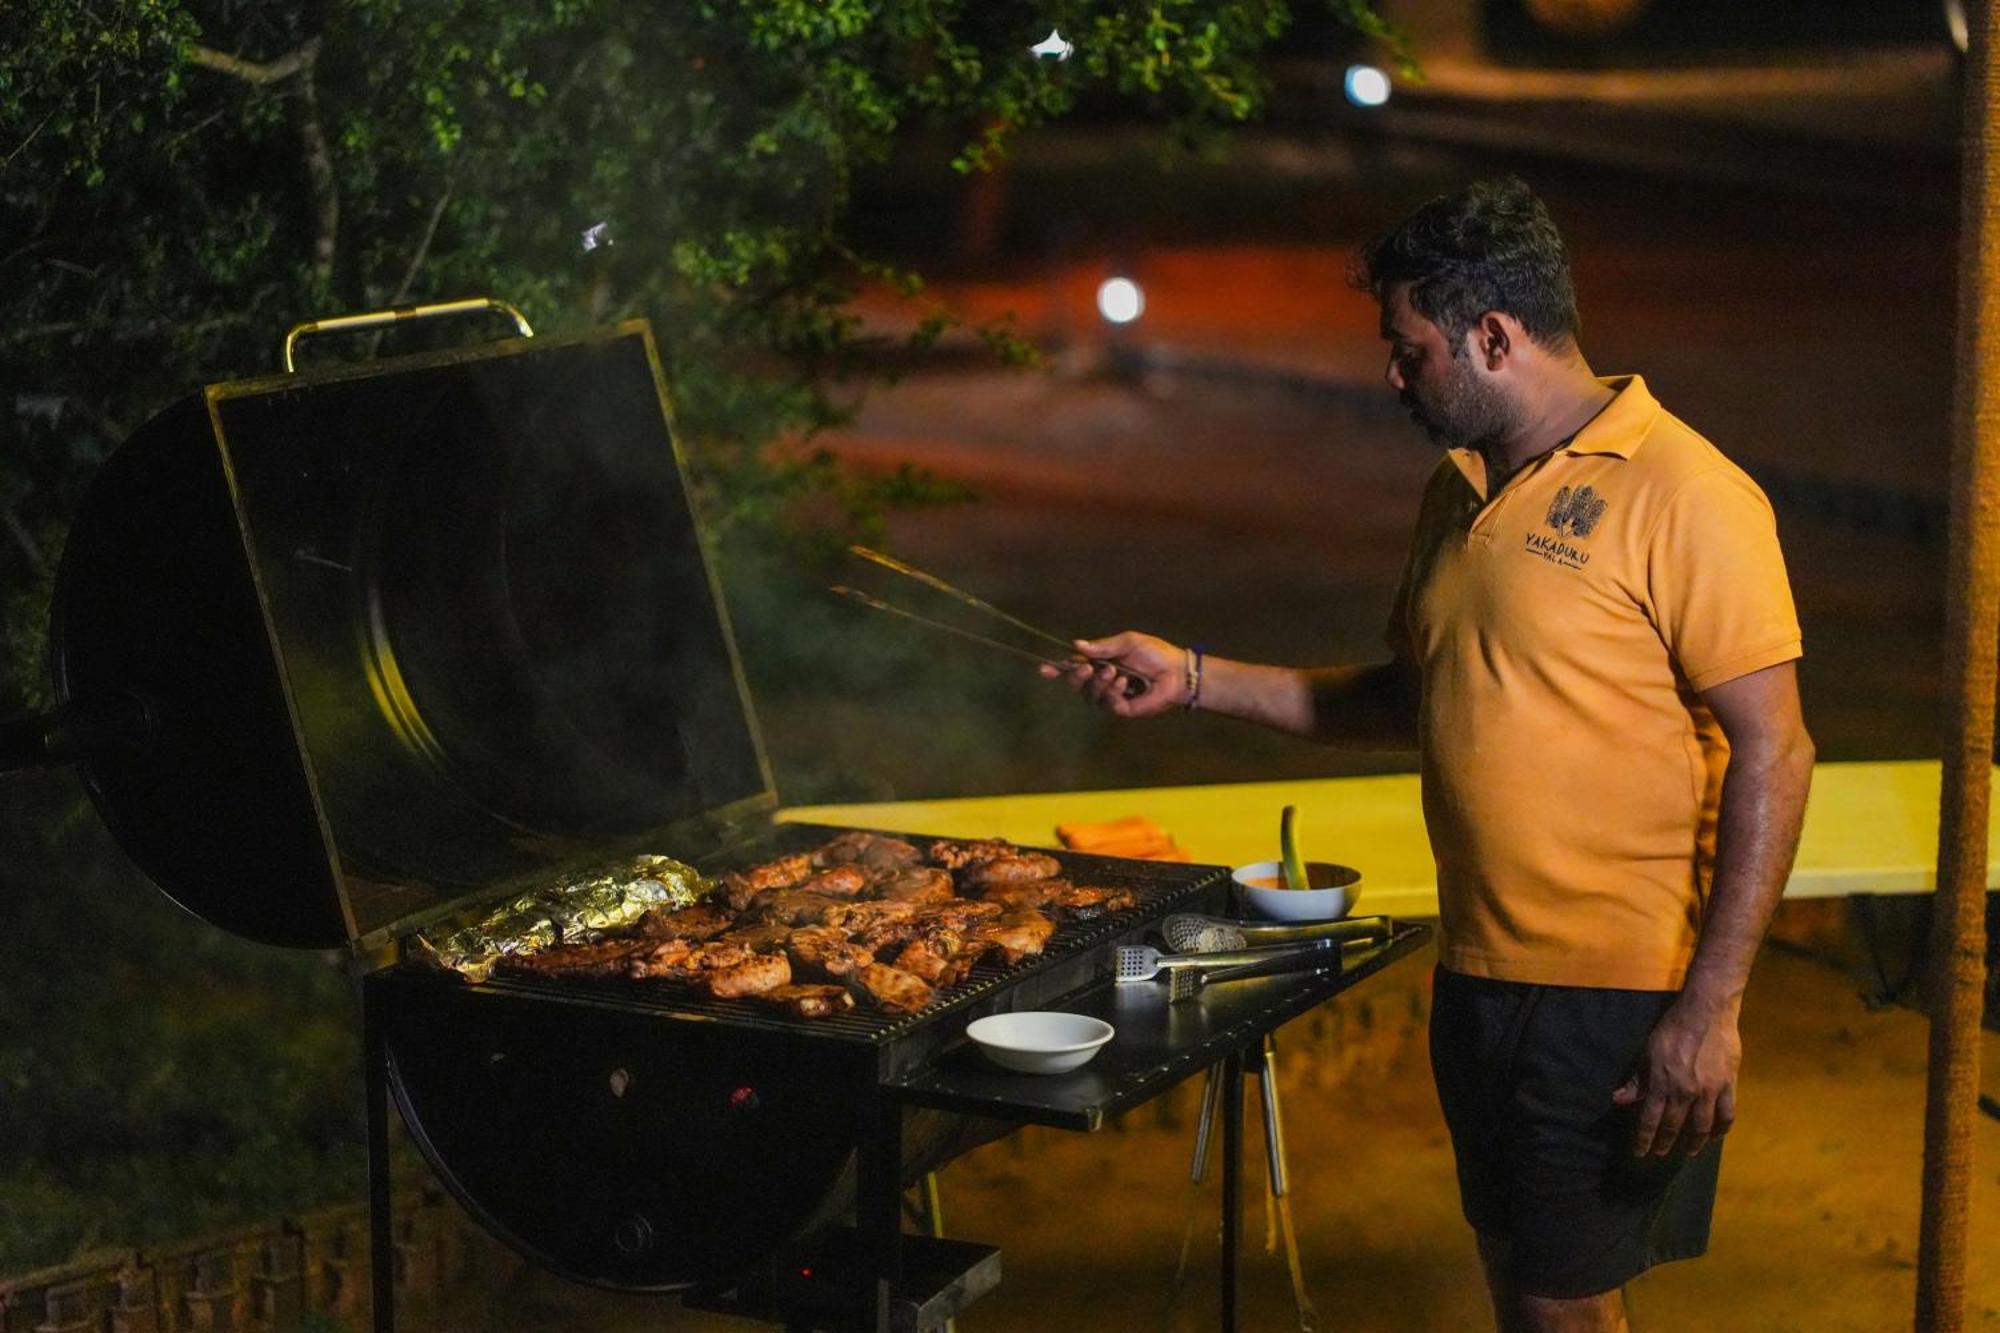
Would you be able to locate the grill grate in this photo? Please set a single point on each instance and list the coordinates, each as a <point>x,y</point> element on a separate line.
<point>1160,888</point>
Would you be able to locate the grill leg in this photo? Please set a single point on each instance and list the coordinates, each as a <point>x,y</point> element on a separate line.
<point>1232,1179</point>
<point>381,1249</point>
<point>879,1211</point>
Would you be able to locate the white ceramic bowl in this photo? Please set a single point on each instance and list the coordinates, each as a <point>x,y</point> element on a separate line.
<point>1342,887</point>
<point>1039,1041</point>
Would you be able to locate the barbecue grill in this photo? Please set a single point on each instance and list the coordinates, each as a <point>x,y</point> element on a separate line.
<point>348,655</point>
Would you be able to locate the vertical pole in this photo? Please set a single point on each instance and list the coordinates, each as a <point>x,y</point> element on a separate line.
<point>1232,1180</point>
<point>381,1237</point>
<point>1972,637</point>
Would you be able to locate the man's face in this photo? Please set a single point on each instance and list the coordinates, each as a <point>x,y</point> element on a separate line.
<point>1447,394</point>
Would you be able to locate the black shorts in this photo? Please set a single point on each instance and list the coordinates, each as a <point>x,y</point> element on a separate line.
<point>1545,1167</point>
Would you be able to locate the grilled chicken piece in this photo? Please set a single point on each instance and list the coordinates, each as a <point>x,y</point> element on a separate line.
<point>893,989</point>
<point>810,1001</point>
<point>759,975</point>
<point>1083,902</point>
<point>741,887</point>
<point>758,937</point>
<point>1013,869</point>
<point>873,851</point>
<point>929,955</point>
<point>600,958</point>
<point>961,914</point>
<point>793,907</point>
<point>703,921</point>
<point>678,960</point>
<point>853,917</point>
<point>919,884</point>
<point>885,937</point>
<point>838,882</point>
<point>954,855</point>
<point>825,951</point>
<point>1018,934</point>
<point>1019,894</point>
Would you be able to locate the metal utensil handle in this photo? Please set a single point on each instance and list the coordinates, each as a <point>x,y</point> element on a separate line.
<point>1133,687</point>
<point>877,604</point>
<point>1241,957</point>
<point>1345,929</point>
<point>377,318</point>
<point>1320,953</point>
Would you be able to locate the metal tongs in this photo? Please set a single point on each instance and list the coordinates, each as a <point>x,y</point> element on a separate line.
<point>1133,685</point>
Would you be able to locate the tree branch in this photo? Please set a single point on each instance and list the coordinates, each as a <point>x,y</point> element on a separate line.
<point>319,168</point>
<point>319,159</point>
<point>416,262</point>
<point>249,70</point>
<point>25,541</point>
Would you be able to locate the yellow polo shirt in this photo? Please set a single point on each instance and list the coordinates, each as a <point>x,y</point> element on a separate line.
<point>1564,629</point>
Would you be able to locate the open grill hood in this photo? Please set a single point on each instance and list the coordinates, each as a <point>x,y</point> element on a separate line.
<point>346,649</point>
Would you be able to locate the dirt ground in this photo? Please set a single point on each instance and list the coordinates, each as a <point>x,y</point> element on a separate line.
<point>1815,1224</point>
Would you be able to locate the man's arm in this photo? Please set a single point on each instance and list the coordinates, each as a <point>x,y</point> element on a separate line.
<point>1360,707</point>
<point>1686,1085</point>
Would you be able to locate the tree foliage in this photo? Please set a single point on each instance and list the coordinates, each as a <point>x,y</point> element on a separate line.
<point>181,180</point>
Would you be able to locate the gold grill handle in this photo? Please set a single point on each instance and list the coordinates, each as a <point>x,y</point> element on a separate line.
<point>376,318</point>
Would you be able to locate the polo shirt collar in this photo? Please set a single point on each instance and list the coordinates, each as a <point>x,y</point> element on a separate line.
<point>1625,421</point>
<point>1617,430</point>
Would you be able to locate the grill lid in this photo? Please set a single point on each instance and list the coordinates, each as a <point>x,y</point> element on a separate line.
<point>482,613</point>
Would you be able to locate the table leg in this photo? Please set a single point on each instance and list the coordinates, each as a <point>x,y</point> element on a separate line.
<point>381,1236</point>
<point>1232,1179</point>
<point>879,1212</point>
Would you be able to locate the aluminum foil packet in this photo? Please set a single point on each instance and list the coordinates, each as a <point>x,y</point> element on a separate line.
<point>569,911</point>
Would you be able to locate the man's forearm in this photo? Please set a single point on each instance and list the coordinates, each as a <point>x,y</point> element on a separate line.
<point>1360,707</point>
<point>1763,807</point>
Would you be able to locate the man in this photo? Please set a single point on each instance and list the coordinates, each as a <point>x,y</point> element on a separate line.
<point>1593,650</point>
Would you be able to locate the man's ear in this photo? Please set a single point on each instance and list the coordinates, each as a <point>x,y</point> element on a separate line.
<point>1495,338</point>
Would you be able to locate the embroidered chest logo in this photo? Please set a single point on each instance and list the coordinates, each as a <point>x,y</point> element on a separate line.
<point>1575,513</point>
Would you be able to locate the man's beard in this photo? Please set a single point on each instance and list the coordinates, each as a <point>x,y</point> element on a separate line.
<point>1466,412</point>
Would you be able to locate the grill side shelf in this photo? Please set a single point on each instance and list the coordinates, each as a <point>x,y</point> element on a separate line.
<point>1157,1044</point>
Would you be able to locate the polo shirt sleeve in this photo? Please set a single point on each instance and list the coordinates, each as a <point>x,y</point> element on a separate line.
<point>1716,579</point>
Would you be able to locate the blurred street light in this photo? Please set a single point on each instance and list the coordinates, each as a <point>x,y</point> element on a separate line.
<point>1366,85</point>
<point>1053,47</point>
<point>1120,301</point>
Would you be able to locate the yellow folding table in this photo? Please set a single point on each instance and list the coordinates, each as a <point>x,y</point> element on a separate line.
<point>1870,827</point>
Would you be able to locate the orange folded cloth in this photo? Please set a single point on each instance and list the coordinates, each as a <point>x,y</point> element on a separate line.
<point>1133,836</point>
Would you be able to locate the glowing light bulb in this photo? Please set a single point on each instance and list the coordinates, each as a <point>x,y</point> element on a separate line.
<point>1120,300</point>
<point>1366,85</point>
<point>1053,47</point>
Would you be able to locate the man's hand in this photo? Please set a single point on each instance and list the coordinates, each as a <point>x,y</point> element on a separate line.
<point>1100,677</point>
<point>1686,1085</point>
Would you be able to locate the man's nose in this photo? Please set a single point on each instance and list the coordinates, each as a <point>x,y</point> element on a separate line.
<point>1394,374</point>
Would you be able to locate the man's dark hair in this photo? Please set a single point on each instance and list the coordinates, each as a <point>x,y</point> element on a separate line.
<point>1491,246</point>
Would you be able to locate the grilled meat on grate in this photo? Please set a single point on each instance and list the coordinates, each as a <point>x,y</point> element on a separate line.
<point>759,974</point>
<point>859,913</point>
<point>826,951</point>
<point>919,884</point>
<point>875,851</point>
<point>894,989</point>
<point>810,1001</point>
<point>741,887</point>
<point>957,855</point>
<point>1014,869</point>
<point>1017,934</point>
<point>703,921</point>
